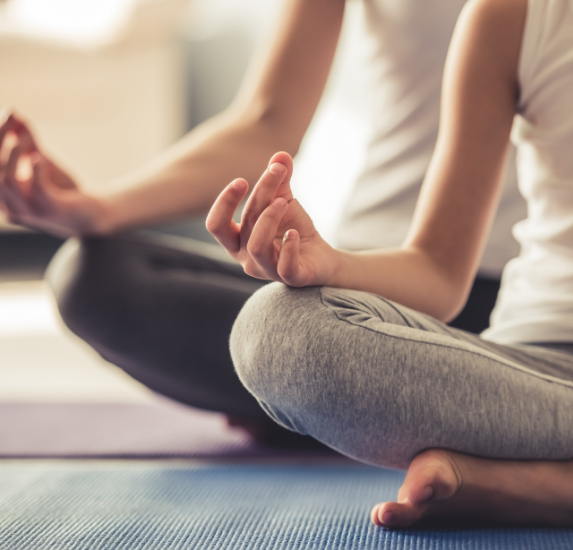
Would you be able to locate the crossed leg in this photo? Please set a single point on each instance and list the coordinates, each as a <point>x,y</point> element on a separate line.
<point>445,483</point>
<point>483,429</point>
<point>161,308</point>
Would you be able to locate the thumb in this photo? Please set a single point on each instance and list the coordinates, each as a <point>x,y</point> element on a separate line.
<point>288,265</point>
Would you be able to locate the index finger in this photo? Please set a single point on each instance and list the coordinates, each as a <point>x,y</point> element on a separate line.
<point>25,138</point>
<point>220,221</point>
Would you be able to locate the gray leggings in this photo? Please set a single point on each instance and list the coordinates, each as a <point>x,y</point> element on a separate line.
<point>380,382</point>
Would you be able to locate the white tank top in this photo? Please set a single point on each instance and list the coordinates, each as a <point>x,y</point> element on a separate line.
<point>536,300</point>
<point>407,46</point>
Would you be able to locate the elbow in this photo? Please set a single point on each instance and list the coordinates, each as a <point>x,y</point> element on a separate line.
<point>452,302</point>
<point>279,130</point>
<point>448,314</point>
<point>446,282</point>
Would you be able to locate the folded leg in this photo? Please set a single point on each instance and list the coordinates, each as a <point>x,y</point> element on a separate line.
<point>382,383</point>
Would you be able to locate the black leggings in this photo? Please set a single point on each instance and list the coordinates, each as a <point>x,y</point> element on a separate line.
<point>162,307</point>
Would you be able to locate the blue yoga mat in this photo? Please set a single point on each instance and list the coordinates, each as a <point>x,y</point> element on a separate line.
<point>135,505</point>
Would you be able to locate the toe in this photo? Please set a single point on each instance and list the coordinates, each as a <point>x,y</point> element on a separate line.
<point>375,516</point>
<point>393,514</point>
<point>431,478</point>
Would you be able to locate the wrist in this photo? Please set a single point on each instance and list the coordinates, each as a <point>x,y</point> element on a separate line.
<point>104,217</point>
<point>341,262</point>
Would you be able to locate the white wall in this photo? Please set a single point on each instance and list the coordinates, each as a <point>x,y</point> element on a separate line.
<point>105,106</point>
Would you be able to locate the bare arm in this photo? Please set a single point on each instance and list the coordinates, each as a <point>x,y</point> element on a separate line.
<point>434,269</point>
<point>272,111</point>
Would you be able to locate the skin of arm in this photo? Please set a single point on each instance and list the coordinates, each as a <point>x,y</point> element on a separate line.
<point>433,271</point>
<point>271,111</point>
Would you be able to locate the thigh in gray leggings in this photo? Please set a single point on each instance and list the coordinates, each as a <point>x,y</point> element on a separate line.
<point>380,382</point>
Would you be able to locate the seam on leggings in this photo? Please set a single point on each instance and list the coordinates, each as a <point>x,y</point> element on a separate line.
<point>389,303</point>
<point>505,362</point>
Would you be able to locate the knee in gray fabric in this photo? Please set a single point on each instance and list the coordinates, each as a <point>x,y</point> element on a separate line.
<point>260,338</point>
<point>271,345</point>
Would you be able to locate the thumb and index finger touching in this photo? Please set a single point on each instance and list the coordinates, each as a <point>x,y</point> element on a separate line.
<point>274,183</point>
<point>220,221</point>
<point>15,125</point>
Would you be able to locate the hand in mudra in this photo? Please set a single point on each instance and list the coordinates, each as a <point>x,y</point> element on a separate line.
<point>35,192</point>
<point>276,238</point>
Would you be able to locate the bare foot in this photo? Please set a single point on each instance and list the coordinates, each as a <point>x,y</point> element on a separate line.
<point>444,483</point>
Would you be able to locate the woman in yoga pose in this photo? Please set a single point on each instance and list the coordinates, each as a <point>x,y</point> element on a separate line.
<point>357,358</point>
<point>162,307</point>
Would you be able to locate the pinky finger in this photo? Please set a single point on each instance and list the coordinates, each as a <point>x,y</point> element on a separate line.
<point>288,266</point>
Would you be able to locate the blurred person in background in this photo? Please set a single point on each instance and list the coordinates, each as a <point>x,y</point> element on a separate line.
<point>161,307</point>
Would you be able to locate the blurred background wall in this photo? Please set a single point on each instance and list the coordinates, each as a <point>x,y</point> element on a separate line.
<point>108,84</point>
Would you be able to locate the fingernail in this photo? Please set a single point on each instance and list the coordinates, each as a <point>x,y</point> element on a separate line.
<point>239,184</point>
<point>277,168</point>
<point>388,518</point>
<point>288,235</point>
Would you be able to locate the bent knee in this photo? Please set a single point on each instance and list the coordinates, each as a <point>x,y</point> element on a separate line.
<point>84,277</point>
<point>272,340</point>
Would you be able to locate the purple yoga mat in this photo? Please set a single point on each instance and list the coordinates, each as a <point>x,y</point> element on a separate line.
<point>159,430</point>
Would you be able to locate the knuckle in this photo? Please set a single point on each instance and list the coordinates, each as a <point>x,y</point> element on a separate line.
<point>253,269</point>
<point>288,276</point>
<point>286,272</point>
<point>250,270</point>
<point>211,225</point>
<point>255,249</point>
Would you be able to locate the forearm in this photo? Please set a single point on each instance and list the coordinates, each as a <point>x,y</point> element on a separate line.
<point>271,113</point>
<point>407,275</point>
<point>187,178</point>
<point>434,270</point>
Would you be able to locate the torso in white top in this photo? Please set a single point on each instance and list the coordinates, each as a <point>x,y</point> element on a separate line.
<point>536,299</point>
<point>408,42</point>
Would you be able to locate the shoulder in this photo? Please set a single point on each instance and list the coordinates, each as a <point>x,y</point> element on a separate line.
<point>492,31</point>
<point>495,17</point>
